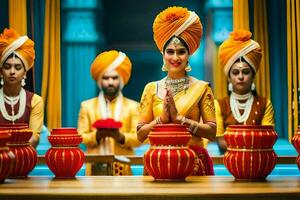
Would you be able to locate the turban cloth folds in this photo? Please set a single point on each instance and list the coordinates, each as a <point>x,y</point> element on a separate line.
<point>22,46</point>
<point>110,61</point>
<point>180,22</point>
<point>239,45</point>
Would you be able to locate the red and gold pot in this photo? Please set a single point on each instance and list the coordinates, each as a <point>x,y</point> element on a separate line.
<point>296,143</point>
<point>64,158</point>
<point>6,156</point>
<point>169,157</point>
<point>250,154</point>
<point>25,154</point>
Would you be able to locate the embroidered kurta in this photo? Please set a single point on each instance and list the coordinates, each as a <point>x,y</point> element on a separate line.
<point>33,115</point>
<point>195,103</point>
<point>261,113</point>
<point>89,113</point>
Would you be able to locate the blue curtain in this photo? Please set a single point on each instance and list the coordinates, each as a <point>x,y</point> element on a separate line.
<point>80,40</point>
<point>276,14</point>
<point>278,68</point>
<point>4,14</point>
<point>35,30</point>
<point>38,12</point>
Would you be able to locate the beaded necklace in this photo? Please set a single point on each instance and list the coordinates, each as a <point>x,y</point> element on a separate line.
<point>236,106</point>
<point>12,101</point>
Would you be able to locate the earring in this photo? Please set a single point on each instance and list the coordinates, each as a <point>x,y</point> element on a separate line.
<point>1,80</point>
<point>230,89</point>
<point>23,83</point>
<point>164,68</point>
<point>188,68</point>
<point>252,86</point>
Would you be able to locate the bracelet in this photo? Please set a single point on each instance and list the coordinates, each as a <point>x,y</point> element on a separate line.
<point>140,125</point>
<point>193,128</point>
<point>158,120</point>
<point>181,119</point>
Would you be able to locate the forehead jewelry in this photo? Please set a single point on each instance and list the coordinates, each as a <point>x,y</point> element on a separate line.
<point>175,41</point>
<point>240,64</point>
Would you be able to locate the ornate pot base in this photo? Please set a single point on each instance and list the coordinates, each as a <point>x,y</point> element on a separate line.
<point>250,155</point>
<point>64,158</point>
<point>169,158</point>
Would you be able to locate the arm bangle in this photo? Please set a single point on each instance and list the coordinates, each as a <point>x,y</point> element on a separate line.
<point>182,120</point>
<point>158,121</point>
<point>195,130</point>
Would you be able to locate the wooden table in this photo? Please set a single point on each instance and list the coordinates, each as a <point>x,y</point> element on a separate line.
<point>139,187</point>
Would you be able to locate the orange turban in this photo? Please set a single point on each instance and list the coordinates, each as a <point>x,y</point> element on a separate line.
<point>11,41</point>
<point>239,45</point>
<point>180,22</point>
<point>109,61</point>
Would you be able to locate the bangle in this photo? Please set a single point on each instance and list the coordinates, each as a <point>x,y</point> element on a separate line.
<point>193,128</point>
<point>158,121</point>
<point>140,125</point>
<point>181,119</point>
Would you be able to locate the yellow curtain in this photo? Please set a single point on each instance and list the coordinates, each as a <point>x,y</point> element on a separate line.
<point>51,85</point>
<point>293,63</point>
<point>240,21</point>
<point>260,33</point>
<point>18,16</point>
<point>240,14</point>
<point>220,80</point>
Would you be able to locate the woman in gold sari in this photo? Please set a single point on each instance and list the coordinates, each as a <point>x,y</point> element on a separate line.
<point>18,105</point>
<point>179,98</point>
<point>240,58</point>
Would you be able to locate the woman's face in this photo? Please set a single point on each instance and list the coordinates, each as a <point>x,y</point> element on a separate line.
<point>176,57</point>
<point>241,76</point>
<point>13,71</point>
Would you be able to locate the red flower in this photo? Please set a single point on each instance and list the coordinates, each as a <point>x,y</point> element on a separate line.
<point>107,123</point>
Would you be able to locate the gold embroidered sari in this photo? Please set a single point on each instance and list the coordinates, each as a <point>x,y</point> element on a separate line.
<point>195,103</point>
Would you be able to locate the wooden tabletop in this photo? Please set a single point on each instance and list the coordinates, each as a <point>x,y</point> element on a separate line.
<point>139,187</point>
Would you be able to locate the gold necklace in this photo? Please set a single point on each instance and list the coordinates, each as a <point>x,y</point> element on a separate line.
<point>177,85</point>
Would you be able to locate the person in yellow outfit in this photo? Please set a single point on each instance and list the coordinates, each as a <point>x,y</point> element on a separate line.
<point>18,105</point>
<point>240,58</point>
<point>179,98</point>
<point>111,70</point>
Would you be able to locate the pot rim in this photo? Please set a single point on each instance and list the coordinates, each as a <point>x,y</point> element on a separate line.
<point>250,127</point>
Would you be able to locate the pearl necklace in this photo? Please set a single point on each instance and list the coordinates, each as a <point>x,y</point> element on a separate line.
<point>12,101</point>
<point>236,106</point>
